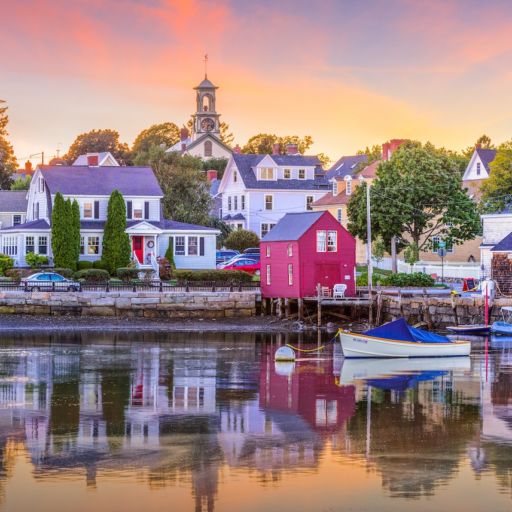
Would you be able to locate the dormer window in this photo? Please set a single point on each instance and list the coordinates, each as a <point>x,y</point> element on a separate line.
<point>267,173</point>
<point>348,187</point>
<point>287,174</point>
<point>302,174</point>
<point>334,188</point>
<point>478,169</point>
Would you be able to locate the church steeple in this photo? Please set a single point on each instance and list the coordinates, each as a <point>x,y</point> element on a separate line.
<point>206,119</point>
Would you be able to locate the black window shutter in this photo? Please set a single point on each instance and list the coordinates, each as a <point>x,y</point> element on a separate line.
<point>201,246</point>
<point>96,209</point>
<point>128,209</point>
<point>146,209</point>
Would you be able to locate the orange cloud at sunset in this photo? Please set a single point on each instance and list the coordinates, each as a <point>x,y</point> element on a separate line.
<point>350,74</point>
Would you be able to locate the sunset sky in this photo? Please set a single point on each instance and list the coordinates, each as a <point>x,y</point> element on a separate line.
<point>349,73</point>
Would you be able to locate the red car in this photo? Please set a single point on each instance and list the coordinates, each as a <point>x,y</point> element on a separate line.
<point>248,265</point>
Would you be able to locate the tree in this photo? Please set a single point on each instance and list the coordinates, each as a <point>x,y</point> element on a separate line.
<point>217,164</point>
<point>8,162</point>
<point>241,239</point>
<point>484,141</point>
<point>75,232</point>
<point>263,143</point>
<point>183,182</point>
<point>497,189</point>
<point>224,229</point>
<point>97,141</point>
<point>21,183</point>
<point>417,195</point>
<point>166,134</point>
<point>411,254</point>
<point>378,250</point>
<point>62,245</point>
<point>169,254</point>
<point>374,153</point>
<point>116,242</point>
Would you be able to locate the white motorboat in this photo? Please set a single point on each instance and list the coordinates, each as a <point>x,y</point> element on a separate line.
<point>398,339</point>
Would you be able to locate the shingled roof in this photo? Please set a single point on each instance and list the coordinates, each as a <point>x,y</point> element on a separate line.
<point>292,226</point>
<point>504,245</point>
<point>13,201</point>
<point>346,166</point>
<point>486,156</point>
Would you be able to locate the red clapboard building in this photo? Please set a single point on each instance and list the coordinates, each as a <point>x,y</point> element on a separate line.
<point>304,250</point>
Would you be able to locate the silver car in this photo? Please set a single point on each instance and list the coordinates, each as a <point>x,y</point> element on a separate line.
<point>46,281</point>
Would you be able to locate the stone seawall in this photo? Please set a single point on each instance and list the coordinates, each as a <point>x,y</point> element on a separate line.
<point>131,304</point>
<point>439,312</point>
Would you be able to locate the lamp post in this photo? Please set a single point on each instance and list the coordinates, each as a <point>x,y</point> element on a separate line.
<point>368,235</point>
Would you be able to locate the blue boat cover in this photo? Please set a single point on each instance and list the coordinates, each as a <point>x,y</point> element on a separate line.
<point>400,330</point>
<point>403,382</point>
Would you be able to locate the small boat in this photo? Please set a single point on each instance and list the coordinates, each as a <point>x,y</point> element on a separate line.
<point>503,327</point>
<point>399,339</point>
<point>472,329</point>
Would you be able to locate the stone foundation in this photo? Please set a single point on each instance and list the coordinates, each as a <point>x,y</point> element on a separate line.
<point>131,304</point>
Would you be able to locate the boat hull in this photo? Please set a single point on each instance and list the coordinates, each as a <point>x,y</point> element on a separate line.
<point>470,329</point>
<point>363,346</point>
<point>502,328</point>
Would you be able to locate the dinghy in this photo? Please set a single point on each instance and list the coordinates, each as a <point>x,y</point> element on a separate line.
<point>473,329</point>
<point>503,327</point>
<point>399,339</point>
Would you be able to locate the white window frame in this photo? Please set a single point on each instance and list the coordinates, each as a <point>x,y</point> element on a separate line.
<point>267,251</point>
<point>82,244</point>
<point>91,246</point>
<point>287,174</point>
<point>301,174</point>
<point>189,245</point>
<point>176,253</point>
<point>309,203</point>
<point>89,209</point>
<point>242,201</point>
<point>229,203</point>
<point>269,275</point>
<point>348,185</point>
<point>334,188</point>
<point>271,196</point>
<point>478,168</point>
<point>290,274</point>
<point>235,203</point>
<point>321,240</point>
<point>270,226</point>
<point>10,245</point>
<point>332,240</point>
<point>339,215</point>
<point>290,250</point>
<point>267,174</point>
<point>136,207</point>
<point>14,223</point>
<point>235,176</point>
<point>33,244</point>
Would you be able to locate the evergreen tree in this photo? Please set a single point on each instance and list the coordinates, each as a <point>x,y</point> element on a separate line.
<point>59,231</point>
<point>116,242</point>
<point>169,254</point>
<point>8,163</point>
<point>75,232</point>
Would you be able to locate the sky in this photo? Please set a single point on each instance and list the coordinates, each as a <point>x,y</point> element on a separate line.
<point>349,73</point>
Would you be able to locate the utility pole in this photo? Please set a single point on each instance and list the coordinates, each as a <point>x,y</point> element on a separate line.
<point>368,236</point>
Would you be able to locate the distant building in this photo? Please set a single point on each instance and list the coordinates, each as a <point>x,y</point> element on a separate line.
<point>305,250</point>
<point>96,160</point>
<point>478,170</point>
<point>13,208</point>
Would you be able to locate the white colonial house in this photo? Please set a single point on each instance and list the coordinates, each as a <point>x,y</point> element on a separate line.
<point>258,190</point>
<point>478,170</point>
<point>150,233</point>
<point>496,238</point>
<point>13,207</point>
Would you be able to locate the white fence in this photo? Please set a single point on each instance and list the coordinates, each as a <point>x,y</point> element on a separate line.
<point>450,270</point>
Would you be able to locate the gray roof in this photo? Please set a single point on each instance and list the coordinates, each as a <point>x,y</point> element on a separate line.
<point>13,201</point>
<point>504,245</point>
<point>206,84</point>
<point>84,180</point>
<point>237,216</point>
<point>292,226</point>
<point>346,166</point>
<point>247,163</point>
<point>163,224</point>
<point>214,187</point>
<point>487,156</point>
<point>82,159</point>
<point>27,226</point>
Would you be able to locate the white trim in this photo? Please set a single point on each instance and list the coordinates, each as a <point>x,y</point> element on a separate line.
<point>265,209</point>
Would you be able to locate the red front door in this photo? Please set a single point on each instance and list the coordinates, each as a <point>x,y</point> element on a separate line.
<point>138,247</point>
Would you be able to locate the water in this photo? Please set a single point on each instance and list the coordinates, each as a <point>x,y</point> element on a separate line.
<point>203,422</point>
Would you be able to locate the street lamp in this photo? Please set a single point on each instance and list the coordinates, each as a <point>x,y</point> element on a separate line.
<point>368,235</point>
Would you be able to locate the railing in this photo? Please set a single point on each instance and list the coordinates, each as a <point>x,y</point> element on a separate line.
<point>450,270</point>
<point>155,265</point>
<point>135,286</point>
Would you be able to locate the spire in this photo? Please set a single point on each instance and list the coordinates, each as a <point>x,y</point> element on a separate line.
<point>206,66</point>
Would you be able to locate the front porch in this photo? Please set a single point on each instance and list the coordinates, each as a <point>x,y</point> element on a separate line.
<point>144,243</point>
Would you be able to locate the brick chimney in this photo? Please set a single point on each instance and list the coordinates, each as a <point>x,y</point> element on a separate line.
<point>211,175</point>
<point>292,149</point>
<point>93,160</point>
<point>28,166</point>
<point>385,151</point>
<point>478,146</point>
<point>276,148</point>
<point>237,149</point>
<point>388,148</point>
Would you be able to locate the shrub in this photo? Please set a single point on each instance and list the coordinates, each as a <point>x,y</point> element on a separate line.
<point>64,272</point>
<point>224,276</point>
<point>127,274</point>
<point>16,274</point>
<point>241,239</point>
<point>36,260</point>
<point>6,262</point>
<point>169,255</point>
<point>165,269</point>
<point>101,265</point>
<point>84,264</point>
<point>93,275</point>
<point>414,279</point>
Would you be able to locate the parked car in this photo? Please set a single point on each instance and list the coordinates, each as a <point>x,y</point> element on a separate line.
<point>252,250</point>
<point>254,257</point>
<point>48,280</point>
<point>225,255</point>
<point>249,265</point>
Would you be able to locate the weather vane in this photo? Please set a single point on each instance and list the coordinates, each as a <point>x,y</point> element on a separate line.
<point>205,66</point>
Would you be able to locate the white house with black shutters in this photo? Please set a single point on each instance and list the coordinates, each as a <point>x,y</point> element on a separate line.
<point>91,185</point>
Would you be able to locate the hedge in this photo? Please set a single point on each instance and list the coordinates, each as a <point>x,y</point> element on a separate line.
<point>213,275</point>
<point>16,274</point>
<point>127,273</point>
<point>84,265</point>
<point>6,262</point>
<point>64,272</point>
<point>93,275</point>
<point>36,260</point>
<point>101,265</point>
<point>401,279</point>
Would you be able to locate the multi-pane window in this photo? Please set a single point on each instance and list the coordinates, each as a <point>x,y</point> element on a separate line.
<point>478,169</point>
<point>321,241</point>
<point>349,187</point>
<point>192,246</point>
<point>235,176</point>
<point>269,202</point>
<point>334,188</point>
<point>10,245</point>
<point>87,210</point>
<point>30,244</point>
<point>236,202</point>
<point>41,185</point>
<point>82,245</point>
<point>242,201</point>
<point>268,274</point>
<point>332,241</point>
<point>287,174</point>
<point>267,173</point>
<point>340,215</point>
<point>229,203</point>
<point>309,202</point>
<point>302,174</point>
<point>179,246</point>
<point>93,245</point>
<point>208,148</point>
<point>16,219</point>
<point>290,250</point>
<point>43,245</point>
<point>290,274</point>
<point>266,227</point>
<point>268,251</point>
<point>138,212</point>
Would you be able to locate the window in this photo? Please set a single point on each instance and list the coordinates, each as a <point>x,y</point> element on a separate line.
<point>87,210</point>
<point>290,250</point>
<point>192,245</point>
<point>349,186</point>
<point>268,251</point>
<point>30,244</point>
<point>37,210</point>
<point>436,244</point>
<point>41,185</point>
<point>16,219</point>
<point>268,274</point>
<point>287,174</point>
<point>10,245</point>
<point>235,176</point>
<point>229,203</point>
<point>82,245</point>
<point>478,169</point>
<point>265,228</point>
<point>334,188</point>
<point>43,245</point>
<point>267,173</point>
<point>137,212</point>
<point>93,245</point>
<point>321,241</point>
<point>242,200</point>
<point>332,241</point>
<point>269,202</point>
<point>302,174</point>
<point>290,274</point>
<point>179,246</point>
<point>208,148</point>
<point>239,226</point>
<point>309,202</point>
<point>236,202</point>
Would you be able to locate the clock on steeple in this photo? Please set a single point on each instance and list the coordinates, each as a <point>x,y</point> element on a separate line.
<point>206,119</point>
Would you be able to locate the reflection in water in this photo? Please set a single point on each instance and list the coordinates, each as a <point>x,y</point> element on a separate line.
<point>203,412</point>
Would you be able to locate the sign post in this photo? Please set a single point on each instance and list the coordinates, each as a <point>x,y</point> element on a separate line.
<point>441,252</point>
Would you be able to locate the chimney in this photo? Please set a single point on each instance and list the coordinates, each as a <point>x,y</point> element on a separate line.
<point>211,175</point>
<point>478,146</point>
<point>292,149</point>
<point>385,151</point>
<point>276,148</point>
<point>92,160</point>
<point>28,166</point>
<point>237,149</point>
<point>183,134</point>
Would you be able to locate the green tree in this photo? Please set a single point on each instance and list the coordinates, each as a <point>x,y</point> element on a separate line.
<point>164,133</point>
<point>497,189</point>
<point>217,164</point>
<point>75,233</point>
<point>61,233</point>
<point>411,254</point>
<point>263,143</point>
<point>378,250</point>
<point>417,195</point>
<point>183,182</point>
<point>169,254</point>
<point>484,141</point>
<point>8,162</point>
<point>373,153</point>
<point>241,239</point>
<point>21,183</point>
<point>116,242</point>
<point>97,141</point>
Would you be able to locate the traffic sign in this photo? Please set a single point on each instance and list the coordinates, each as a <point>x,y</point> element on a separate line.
<point>441,252</point>
<point>441,244</point>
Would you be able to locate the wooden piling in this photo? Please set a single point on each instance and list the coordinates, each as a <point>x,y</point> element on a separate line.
<point>379,307</point>
<point>300,309</point>
<point>319,312</point>
<point>287,307</point>
<point>426,312</point>
<point>454,309</point>
<point>279,308</point>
